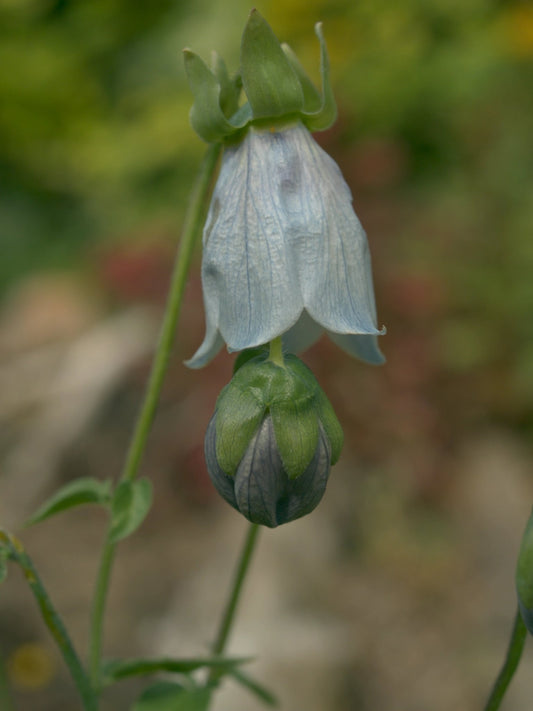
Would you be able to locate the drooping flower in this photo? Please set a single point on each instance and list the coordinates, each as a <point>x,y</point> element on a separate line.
<point>284,252</point>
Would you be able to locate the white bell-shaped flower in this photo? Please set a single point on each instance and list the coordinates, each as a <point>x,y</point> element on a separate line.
<point>284,253</point>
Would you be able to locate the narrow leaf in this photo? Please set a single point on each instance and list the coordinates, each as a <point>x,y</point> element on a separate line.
<point>114,670</point>
<point>169,696</point>
<point>81,491</point>
<point>258,689</point>
<point>131,502</point>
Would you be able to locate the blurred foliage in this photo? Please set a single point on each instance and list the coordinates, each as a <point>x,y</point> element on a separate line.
<point>434,136</point>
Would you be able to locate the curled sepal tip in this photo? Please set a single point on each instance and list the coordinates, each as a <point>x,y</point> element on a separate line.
<point>325,116</point>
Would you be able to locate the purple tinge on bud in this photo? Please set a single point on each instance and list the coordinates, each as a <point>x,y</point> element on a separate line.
<point>261,489</point>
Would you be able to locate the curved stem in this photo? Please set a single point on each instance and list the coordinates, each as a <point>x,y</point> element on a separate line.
<point>53,621</point>
<point>512,659</point>
<point>231,606</point>
<point>191,230</point>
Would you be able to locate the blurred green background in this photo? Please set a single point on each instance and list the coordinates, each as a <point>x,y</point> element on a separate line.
<point>434,137</point>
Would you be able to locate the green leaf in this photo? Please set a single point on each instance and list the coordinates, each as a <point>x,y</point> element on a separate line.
<point>81,491</point>
<point>114,670</point>
<point>131,502</point>
<point>252,685</point>
<point>169,696</point>
<point>270,82</point>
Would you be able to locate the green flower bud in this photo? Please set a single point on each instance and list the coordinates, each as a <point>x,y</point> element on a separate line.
<point>276,86</point>
<point>271,441</point>
<point>524,576</point>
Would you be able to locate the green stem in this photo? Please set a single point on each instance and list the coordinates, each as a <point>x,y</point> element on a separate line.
<point>276,351</point>
<point>191,230</point>
<point>98,609</point>
<point>512,659</point>
<point>53,622</point>
<point>231,606</point>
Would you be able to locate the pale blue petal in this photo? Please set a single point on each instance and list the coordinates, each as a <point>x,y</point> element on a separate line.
<point>213,340</point>
<point>302,335</point>
<point>210,347</point>
<point>361,346</point>
<point>248,269</point>
<point>329,243</point>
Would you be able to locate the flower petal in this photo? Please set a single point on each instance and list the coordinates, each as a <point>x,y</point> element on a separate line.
<point>302,335</point>
<point>213,341</point>
<point>361,346</point>
<point>248,269</point>
<point>329,245</point>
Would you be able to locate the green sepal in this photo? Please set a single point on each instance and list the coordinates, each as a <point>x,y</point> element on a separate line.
<point>312,98</point>
<point>247,355</point>
<point>230,88</point>
<point>85,490</point>
<point>269,81</point>
<point>131,502</point>
<point>295,421</point>
<point>239,411</point>
<point>327,113</point>
<point>524,576</point>
<point>206,115</point>
<point>170,696</point>
<point>324,409</point>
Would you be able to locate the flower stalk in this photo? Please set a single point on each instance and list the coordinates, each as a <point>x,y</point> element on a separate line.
<point>191,230</point>
<point>510,665</point>
<point>52,620</point>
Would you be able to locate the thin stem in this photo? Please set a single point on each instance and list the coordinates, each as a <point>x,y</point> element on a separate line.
<point>512,659</point>
<point>191,230</point>
<point>276,351</point>
<point>53,621</point>
<point>231,606</point>
<point>98,609</point>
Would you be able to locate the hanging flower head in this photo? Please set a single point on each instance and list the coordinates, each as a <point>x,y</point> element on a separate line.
<point>284,253</point>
